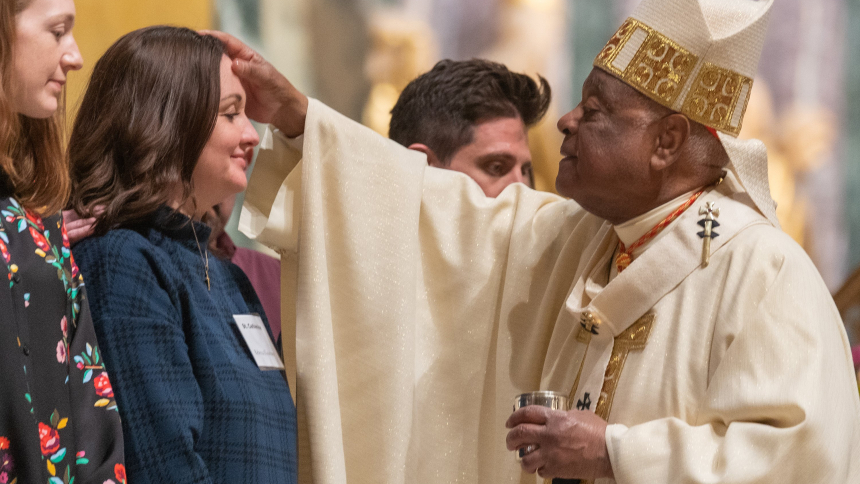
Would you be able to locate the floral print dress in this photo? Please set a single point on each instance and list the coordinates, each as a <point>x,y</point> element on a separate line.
<point>58,418</point>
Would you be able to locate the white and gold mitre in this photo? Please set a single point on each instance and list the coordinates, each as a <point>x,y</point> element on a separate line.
<point>699,58</point>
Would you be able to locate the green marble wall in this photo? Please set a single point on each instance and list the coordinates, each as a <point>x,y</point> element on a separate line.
<point>592,23</point>
<point>852,130</point>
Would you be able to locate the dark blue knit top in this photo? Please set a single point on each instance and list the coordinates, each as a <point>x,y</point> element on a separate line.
<point>195,407</point>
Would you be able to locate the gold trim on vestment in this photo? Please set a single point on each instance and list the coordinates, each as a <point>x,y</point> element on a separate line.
<point>662,69</point>
<point>633,338</point>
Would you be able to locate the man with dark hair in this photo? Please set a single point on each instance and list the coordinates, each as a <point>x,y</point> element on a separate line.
<point>473,117</point>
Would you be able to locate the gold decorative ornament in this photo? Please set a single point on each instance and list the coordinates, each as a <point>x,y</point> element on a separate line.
<point>613,47</point>
<point>658,68</point>
<point>663,70</point>
<point>590,323</point>
<point>633,338</point>
<point>716,97</point>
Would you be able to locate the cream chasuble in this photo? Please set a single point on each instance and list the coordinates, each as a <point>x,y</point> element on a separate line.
<point>420,308</point>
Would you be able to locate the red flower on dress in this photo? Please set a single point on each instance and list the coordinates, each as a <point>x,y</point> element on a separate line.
<point>75,270</point>
<point>7,465</point>
<point>66,242</point>
<point>49,439</point>
<point>103,387</point>
<point>68,245</point>
<point>36,219</point>
<point>64,325</point>
<point>119,470</point>
<point>39,239</point>
<point>5,251</point>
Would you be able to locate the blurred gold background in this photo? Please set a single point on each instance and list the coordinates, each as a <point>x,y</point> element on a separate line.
<point>100,23</point>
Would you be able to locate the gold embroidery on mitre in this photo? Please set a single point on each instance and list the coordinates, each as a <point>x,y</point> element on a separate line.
<point>616,43</point>
<point>660,68</point>
<point>715,97</point>
<point>633,338</point>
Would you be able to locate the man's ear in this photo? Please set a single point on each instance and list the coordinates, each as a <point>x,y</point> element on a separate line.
<point>673,135</point>
<point>432,159</point>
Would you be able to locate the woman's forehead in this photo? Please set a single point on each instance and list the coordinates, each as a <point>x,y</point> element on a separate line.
<point>231,86</point>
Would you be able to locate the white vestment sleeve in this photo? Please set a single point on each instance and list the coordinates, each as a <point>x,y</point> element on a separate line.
<point>271,211</point>
<point>411,290</point>
<point>779,407</point>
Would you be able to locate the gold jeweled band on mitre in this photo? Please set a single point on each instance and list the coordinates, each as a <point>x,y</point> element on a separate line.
<point>718,98</point>
<point>660,68</point>
<point>648,61</point>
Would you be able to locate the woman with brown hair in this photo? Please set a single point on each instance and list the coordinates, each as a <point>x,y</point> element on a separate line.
<point>161,137</point>
<point>58,419</point>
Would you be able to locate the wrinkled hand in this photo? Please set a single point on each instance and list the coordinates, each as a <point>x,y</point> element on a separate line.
<point>271,97</point>
<point>77,228</point>
<point>570,445</point>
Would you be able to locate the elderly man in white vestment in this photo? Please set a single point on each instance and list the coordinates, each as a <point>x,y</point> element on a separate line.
<point>696,339</point>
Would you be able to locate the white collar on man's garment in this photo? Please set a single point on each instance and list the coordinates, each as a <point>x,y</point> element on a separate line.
<point>632,230</point>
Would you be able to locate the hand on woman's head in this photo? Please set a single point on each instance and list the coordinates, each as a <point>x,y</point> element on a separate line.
<point>45,51</point>
<point>271,97</point>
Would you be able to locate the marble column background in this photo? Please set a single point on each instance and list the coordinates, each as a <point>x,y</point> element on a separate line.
<point>464,29</point>
<point>803,62</point>
<point>850,152</point>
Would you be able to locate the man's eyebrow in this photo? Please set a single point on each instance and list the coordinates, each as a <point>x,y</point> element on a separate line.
<point>496,155</point>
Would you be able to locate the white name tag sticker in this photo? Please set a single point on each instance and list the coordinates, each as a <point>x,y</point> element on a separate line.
<point>253,329</point>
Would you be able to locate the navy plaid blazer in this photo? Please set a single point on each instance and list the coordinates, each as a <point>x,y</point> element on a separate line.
<point>195,407</point>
